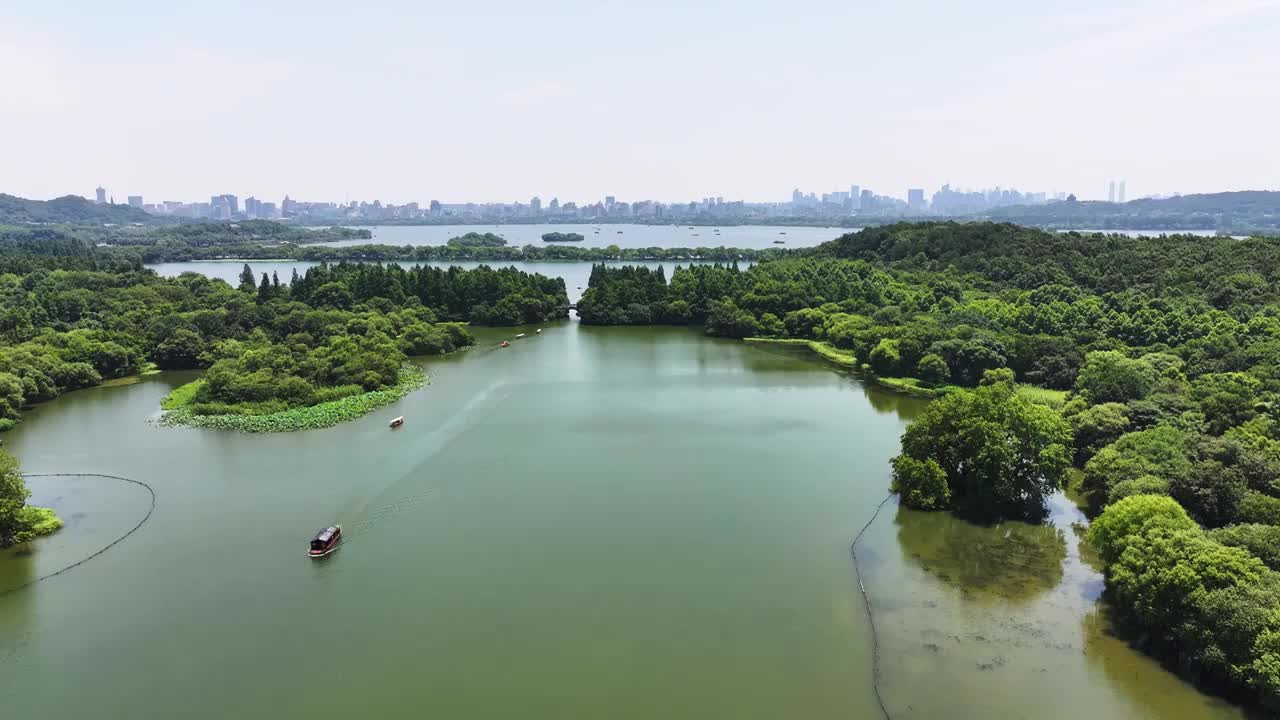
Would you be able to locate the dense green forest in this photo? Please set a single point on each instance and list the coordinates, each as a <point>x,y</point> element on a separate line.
<point>1166,353</point>
<point>553,237</point>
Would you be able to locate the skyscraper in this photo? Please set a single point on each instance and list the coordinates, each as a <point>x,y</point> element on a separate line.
<point>915,199</point>
<point>535,204</point>
<point>797,197</point>
<point>1111,191</point>
<point>866,200</point>
<point>855,196</point>
<point>100,195</point>
<point>1120,197</point>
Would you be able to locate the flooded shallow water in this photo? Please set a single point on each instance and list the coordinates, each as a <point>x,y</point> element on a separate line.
<point>594,522</point>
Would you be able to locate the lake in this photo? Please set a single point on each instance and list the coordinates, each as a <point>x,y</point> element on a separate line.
<point>624,236</point>
<point>593,522</point>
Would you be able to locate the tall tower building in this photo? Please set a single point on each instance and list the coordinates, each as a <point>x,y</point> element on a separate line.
<point>1111,191</point>
<point>855,196</point>
<point>535,204</point>
<point>1120,197</point>
<point>915,199</point>
<point>100,195</point>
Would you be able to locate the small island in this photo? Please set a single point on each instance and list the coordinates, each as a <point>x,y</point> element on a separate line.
<point>477,240</point>
<point>562,237</point>
<point>20,522</point>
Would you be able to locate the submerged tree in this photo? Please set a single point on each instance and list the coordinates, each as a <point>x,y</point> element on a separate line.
<point>1001,455</point>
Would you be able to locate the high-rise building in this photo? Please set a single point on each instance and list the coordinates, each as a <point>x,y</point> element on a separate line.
<point>252,207</point>
<point>1111,191</point>
<point>135,201</point>
<point>535,205</point>
<point>797,197</point>
<point>866,200</point>
<point>915,199</point>
<point>1120,196</point>
<point>609,200</point>
<point>855,196</point>
<point>555,205</point>
<point>100,195</point>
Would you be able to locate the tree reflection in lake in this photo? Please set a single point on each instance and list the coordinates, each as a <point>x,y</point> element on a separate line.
<point>1011,561</point>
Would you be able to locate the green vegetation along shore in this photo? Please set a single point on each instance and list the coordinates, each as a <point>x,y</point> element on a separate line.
<point>20,522</point>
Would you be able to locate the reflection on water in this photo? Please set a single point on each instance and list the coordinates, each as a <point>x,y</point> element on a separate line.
<point>1012,561</point>
<point>1002,622</point>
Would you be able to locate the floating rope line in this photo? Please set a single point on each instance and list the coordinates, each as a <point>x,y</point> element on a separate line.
<point>109,545</point>
<point>875,640</point>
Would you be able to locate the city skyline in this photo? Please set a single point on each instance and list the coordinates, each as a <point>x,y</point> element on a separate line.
<point>172,100</point>
<point>857,200</point>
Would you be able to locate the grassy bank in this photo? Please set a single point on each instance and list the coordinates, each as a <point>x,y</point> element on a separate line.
<point>826,351</point>
<point>178,412</point>
<point>906,385</point>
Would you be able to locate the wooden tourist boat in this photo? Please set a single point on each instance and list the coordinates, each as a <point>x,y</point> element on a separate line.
<point>325,541</point>
<point>504,343</point>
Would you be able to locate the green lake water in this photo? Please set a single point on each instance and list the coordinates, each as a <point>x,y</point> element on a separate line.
<point>620,522</point>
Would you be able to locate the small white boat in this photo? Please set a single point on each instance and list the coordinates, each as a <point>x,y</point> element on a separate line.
<point>519,335</point>
<point>397,422</point>
<point>538,331</point>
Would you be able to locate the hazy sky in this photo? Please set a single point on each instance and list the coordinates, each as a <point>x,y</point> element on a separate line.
<point>665,100</point>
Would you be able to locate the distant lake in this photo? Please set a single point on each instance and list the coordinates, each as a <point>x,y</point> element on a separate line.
<point>625,236</point>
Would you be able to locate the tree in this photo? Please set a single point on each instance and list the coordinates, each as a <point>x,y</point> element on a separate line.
<point>884,357</point>
<point>1002,455</point>
<point>1110,376</point>
<point>180,351</point>
<point>1211,492</point>
<point>934,370</point>
<point>1159,452</point>
<point>247,283</point>
<point>1261,540</point>
<point>334,295</point>
<point>10,396</point>
<point>13,498</point>
<point>922,484</point>
<point>264,289</point>
<point>1096,427</point>
<point>1227,399</point>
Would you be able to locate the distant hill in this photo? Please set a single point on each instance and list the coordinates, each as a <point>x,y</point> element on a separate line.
<point>1248,210</point>
<point>67,209</point>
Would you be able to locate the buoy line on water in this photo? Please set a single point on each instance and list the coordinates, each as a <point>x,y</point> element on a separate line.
<point>866,601</point>
<point>105,548</point>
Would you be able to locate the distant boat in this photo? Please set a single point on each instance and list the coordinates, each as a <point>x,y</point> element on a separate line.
<point>504,343</point>
<point>325,541</point>
<point>784,232</point>
<point>538,331</point>
<point>397,422</point>
<point>519,335</point>
<point>619,232</point>
<point>779,242</point>
<point>695,235</point>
